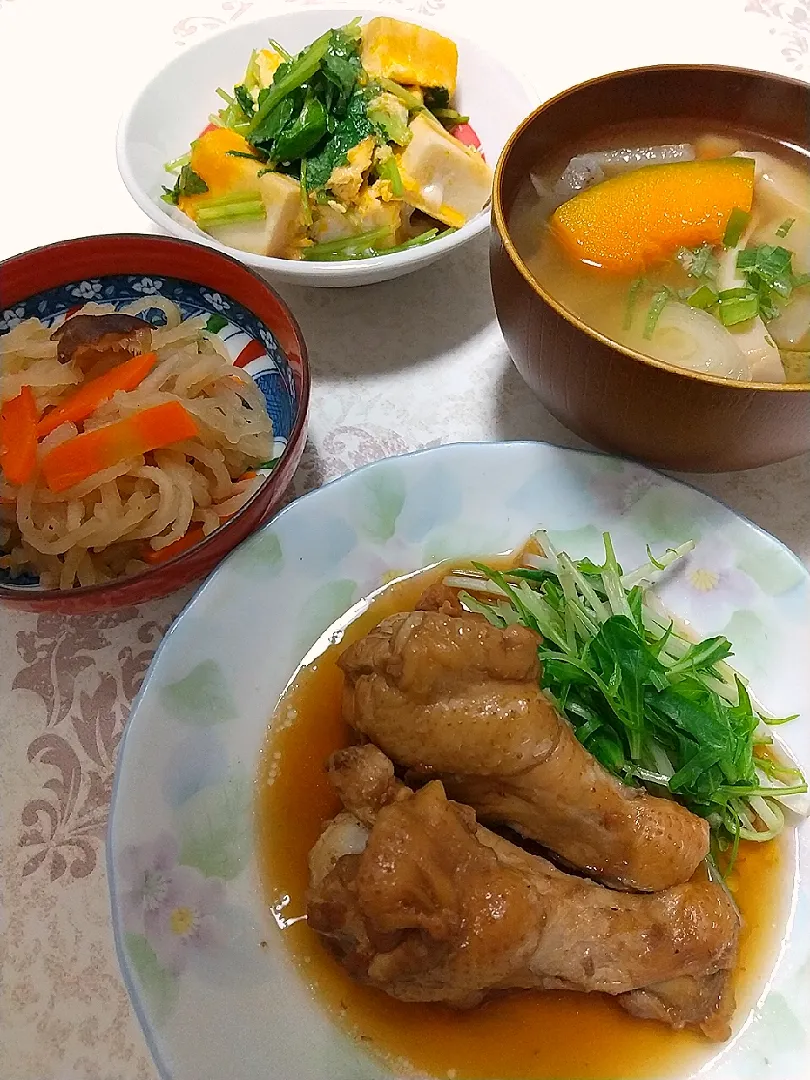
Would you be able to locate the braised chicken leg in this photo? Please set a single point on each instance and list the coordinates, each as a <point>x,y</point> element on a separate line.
<point>452,697</point>
<point>419,900</point>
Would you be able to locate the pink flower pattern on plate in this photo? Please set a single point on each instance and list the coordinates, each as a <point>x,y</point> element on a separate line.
<point>708,587</point>
<point>175,907</point>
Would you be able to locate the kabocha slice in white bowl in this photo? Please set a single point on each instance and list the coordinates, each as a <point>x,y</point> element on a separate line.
<point>356,148</point>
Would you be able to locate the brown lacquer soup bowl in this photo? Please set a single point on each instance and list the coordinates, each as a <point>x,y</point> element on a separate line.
<point>609,394</point>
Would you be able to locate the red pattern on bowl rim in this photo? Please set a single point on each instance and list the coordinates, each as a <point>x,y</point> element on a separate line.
<point>134,253</point>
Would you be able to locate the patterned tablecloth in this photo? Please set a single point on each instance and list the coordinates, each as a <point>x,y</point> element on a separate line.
<point>396,366</point>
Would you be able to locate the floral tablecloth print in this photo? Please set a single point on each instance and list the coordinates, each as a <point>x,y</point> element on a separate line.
<point>397,366</point>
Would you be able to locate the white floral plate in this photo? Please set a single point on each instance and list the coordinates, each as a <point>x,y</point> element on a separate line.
<point>188,912</point>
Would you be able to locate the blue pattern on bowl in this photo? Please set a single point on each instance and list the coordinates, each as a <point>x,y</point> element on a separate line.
<point>279,405</point>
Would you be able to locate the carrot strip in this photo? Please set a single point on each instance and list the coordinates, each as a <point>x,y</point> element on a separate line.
<point>18,437</point>
<point>88,398</point>
<point>188,540</point>
<point>81,457</point>
<point>194,536</point>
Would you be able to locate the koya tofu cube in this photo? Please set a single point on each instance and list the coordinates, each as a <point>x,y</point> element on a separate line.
<point>278,231</point>
<point>332,221</point>
<point>441,176</point>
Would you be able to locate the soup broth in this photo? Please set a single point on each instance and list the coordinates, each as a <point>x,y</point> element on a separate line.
<point>621,305</point>
<point>522,1035</point>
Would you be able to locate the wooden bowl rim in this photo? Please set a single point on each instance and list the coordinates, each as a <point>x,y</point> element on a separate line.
<point>499,221</point>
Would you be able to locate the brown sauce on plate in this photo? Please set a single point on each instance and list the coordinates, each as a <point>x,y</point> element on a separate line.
<point>521,1035</point>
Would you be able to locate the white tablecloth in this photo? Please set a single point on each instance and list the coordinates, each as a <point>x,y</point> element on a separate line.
<point>395,366</point>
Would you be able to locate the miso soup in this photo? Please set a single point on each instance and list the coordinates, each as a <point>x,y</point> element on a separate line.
<point>687,243</point>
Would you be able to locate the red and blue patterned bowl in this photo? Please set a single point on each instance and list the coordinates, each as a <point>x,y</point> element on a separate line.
<point>257,329</point>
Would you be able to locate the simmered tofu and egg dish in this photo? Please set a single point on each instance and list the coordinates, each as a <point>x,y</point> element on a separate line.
<point>351,149</point>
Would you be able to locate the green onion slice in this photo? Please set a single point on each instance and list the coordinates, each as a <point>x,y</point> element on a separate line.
<point>632,298</point>
<point>737,306</point>
<point>659,302</point>
<point>703,298</point>
<point>735,227</point>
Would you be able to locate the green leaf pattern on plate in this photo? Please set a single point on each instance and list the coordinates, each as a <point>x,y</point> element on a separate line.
<point>776,1037</point>
<point>381,502</point>
<point>213,827</point>
<point>160,987</point>
<point>775,572</point>
<point>321,609</point>
<point>667,516</point>
<point>745,629</point>
<point>202,697</point>
<point>260,554</point>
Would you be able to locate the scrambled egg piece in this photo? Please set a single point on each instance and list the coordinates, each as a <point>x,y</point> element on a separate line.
<point>409,54</point>
<point>346,180</point>
<point>268,61</point>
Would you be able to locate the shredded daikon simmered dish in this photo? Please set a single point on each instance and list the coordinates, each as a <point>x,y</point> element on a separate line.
<point>121,444</point>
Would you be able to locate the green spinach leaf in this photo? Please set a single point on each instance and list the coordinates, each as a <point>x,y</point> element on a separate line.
<point>188,183</point>
<point>351,130</point>
<point>437,97</point>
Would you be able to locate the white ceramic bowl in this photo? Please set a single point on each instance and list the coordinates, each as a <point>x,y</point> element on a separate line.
<point>174,107</point>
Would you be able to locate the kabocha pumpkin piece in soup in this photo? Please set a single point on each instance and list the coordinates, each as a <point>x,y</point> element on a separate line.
<point>633,221</point>
<point>718,247</point>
